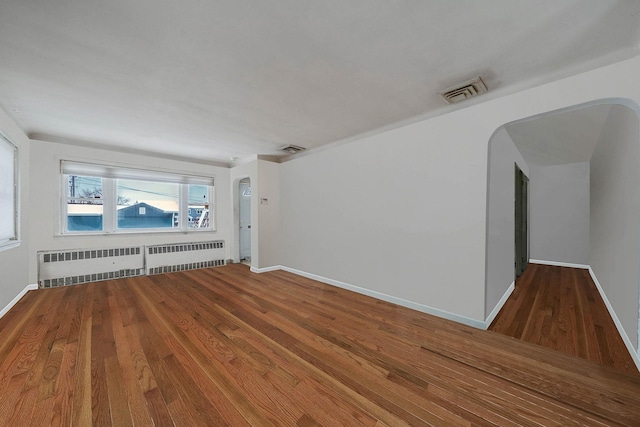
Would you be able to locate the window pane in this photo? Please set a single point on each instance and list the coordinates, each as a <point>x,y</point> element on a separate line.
<point>84,203</point>
<point>199,206</point>
<point>7,191</point>
<point>145,204</point>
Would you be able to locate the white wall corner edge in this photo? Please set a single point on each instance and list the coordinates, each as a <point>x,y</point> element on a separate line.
<point>499,305</point>
<point>17,298</point>
<point>479,324</point>
<point>559,263</point>
<point>623,334</point>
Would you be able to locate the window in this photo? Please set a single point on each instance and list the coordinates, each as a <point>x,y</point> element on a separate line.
<point>109,199</point>
<point>85,205</point>
<point>8,193</point>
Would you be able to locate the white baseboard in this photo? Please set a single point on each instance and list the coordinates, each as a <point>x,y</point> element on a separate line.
<point>17,298</point>
<point>266,269</point>
<point>623,334</point>
<point>558,263</point>
<point>498,306</point>
<point>381,296</point>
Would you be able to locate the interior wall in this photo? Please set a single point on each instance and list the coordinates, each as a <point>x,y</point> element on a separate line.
<point>403,212</point>
<point>14,262</point>
<point>45,200</point>
<point>615,215</point>
<point>500,274</point>
<point>559,213</point>
<point>405,226</point>
<point>268,200</point>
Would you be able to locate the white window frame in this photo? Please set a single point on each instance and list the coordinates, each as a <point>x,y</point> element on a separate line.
<point>14,240</point>
<point>110,175</point>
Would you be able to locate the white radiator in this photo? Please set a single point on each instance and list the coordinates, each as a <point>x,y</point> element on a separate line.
<point>70,267</point>
<point>184,256</point>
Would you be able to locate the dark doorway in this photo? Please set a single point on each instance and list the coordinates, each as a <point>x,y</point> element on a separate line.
<point>522,221</point>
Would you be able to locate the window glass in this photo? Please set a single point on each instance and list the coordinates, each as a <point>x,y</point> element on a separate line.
<point>85,203</point>
<point>199,206</point>
<point>147,204</point>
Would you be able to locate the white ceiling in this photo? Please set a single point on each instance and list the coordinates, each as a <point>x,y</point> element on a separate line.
<point>212,80</point>
<point>560,137</point>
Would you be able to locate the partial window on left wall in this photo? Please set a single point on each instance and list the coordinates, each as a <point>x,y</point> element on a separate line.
<point>8,193</point>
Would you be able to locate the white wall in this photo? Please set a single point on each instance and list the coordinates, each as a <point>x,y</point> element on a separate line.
<point>559,213</point>
<point>615,215</point>
<point>14,263</point>
<point>268,200</point>
<point>46,187</point>
<point>500,255</point>
<point>403,212</point>
<point>265,216</point>
<point>399,213</point>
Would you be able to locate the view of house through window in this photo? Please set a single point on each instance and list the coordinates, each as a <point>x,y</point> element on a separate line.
<point>106,199</point>
<point>146,204</point>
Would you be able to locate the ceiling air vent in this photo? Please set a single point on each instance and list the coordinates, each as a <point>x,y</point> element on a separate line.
<point>291,149</point>
<point>464,91</point>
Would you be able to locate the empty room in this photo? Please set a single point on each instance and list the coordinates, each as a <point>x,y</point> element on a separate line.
<point>319,213</point>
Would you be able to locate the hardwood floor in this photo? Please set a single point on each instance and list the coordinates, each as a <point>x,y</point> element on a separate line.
<point>561,308</point>
<point>224,346</point>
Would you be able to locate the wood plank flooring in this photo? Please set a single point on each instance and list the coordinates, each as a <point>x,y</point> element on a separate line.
<point>560,308</point>
<point>224,346</point>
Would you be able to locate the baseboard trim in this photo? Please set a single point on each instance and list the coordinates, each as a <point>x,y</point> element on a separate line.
<point>499,306</point>
<point>623,334</point>
<point>17,298</point>
<point>559,264</point>
<point>381,296</point>
<point>266,269</point>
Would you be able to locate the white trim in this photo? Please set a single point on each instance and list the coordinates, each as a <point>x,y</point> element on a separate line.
<point>623,334</point>
<point>559,263</point>
<point>99,170</point>
<point>17,298</point>
<point>9,244</point>
<point>266,269</point>
<point>499,305</point>
<point>381,296</point>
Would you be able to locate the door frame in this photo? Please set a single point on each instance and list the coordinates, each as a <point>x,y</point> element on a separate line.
<point>247,182</point>
<point>235,189</point>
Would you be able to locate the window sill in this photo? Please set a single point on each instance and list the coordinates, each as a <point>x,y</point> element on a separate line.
<point>11,244</point>
<point>138,232</point>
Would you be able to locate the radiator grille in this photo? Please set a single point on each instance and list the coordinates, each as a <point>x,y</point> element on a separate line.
<point>184,256</point>
<point>88,254</point>
<point>86,278</point>
<point>183,267</point>
<point>185,247</point>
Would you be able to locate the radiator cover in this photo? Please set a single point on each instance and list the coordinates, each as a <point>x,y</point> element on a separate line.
<point>184,256</point>
<point>70,267</point>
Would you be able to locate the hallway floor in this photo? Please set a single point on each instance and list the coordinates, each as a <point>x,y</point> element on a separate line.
<point>560,308</point>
